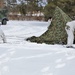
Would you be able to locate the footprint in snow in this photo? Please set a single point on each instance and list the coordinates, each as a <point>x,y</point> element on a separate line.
<point>45,69</point>
<point>60,65</point>
<point>58,60</point>
<point>70,57</point>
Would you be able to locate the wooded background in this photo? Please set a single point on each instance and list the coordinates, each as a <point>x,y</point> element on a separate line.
<point>30,7</point>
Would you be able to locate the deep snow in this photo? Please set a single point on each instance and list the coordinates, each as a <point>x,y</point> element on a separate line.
<point>20,57</point>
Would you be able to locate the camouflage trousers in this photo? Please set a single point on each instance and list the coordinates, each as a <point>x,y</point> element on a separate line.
<point>2,36</point>
<point>70,37</point>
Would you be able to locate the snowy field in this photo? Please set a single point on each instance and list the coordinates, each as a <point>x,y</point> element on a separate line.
<point>20,57</point>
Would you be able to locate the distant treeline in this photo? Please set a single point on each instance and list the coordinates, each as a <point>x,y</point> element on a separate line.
<point>47,7</point>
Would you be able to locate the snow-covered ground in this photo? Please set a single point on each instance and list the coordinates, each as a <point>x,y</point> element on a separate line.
<point>20,57</point>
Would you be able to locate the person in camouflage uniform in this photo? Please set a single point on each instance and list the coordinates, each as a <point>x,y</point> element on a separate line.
<point>70,26</point>
<point>49,20</point>
<point>2,36</point>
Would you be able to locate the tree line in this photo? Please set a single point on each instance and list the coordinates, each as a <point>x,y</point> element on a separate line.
<point>47,7</point>
<point>68,6</point>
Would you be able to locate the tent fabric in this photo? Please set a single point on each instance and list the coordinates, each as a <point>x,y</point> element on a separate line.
<point>56,33</point>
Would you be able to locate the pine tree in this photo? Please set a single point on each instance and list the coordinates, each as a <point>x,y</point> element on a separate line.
<point>56,31</point>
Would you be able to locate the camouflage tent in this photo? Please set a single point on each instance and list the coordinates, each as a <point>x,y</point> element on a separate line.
<point>56,33</point>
